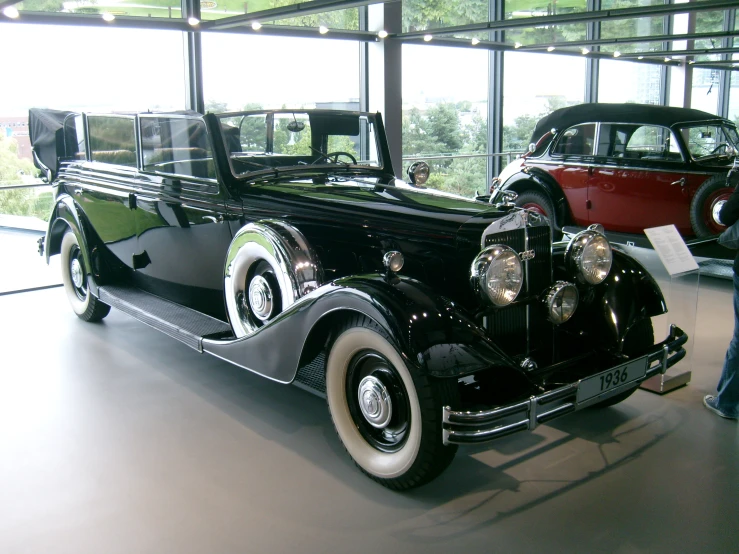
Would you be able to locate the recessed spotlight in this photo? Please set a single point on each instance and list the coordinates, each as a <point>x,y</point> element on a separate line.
<point>323,29</point>
<point>640,57</point>
<point>517,45</point>
<point>585,51</point>
<point>108,16</point>
<point>668,59</point>
<point>256,25</point>
<point>617,54</point>
<point>11,12</point>
<point>550,48</point>
<point>427,38</point>
<point>691,62</point>
<point>382,34</point>
<point>475,41</point>
<point>193,21</point>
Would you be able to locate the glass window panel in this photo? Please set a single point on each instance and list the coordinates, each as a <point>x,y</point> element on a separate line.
<point>526,100</point>
<point>709,140</point>
<point>638,142</point>
<point>178,146</point>
<point>150,8</point>
<point>329,80</point>
<point>424,14</point>
<point>620,81</point>
<point>734,96</point>
<point>705,94</point>
<point>112,140</point>
<point>337,19</point>
<point>521,9</point>
<point>446,116</point>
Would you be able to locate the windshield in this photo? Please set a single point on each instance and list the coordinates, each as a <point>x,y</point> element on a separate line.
<point>264,141</point>
<point>709,140</point>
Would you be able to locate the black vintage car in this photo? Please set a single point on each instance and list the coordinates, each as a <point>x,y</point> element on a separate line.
<point>281,241</point>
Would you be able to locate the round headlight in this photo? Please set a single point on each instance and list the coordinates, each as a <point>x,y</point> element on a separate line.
<point>589,257</point>
<point>498,274</point>
<point>561,302</point>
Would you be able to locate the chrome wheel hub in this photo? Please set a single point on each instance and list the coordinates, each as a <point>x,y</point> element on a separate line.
<point>716,210</point>
<point>75,269</point>
<point>374,402</point>
<point>261,298</point>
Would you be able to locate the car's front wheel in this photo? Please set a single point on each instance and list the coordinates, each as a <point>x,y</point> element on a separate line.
<point>389,420</point>
<point>75,279</point>
<point>706,205</point>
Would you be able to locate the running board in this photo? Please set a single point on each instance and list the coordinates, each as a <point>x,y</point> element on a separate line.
<point>179,322</point>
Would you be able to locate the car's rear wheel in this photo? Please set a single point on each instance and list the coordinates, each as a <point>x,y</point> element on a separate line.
<point>389,420</point>
<point>638,339</point>
<point>75,279</point>
<point>706,205</point>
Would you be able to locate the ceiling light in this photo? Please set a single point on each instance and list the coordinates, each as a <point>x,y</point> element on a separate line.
<point>11,12</point>
<point>256,25</point>
<point>550,48</point>
<point>640,57</point>
<point>585,51</point>
<point>691,62</point>
<point>382,34</point>
<point>475,41</point>
<point>193,21</point>
<point>323,29</point>
<point>427,38</point>
<point>668,59</point>
<point>617,54</point>
<point>517,45</point>
<point>108,16</point>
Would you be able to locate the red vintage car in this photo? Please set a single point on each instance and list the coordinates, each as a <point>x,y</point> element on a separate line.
<point>626,166</point>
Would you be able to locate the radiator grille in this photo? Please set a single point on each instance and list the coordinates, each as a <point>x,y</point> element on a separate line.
<point>508,326</point>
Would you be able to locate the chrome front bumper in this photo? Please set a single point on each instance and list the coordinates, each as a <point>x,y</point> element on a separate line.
<point>461,427</point>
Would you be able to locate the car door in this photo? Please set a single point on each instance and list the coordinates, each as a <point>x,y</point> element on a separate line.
<point>572,155</point>
<point>183,235</point>
<point>104,191</point>
<point>639,180</point>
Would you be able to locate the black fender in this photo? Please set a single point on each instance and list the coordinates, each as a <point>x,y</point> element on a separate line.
<point>433,335</point>
<point>532,178</point>
<point>609,310</point>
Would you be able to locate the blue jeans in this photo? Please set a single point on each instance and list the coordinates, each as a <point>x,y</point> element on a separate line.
<point>727,400</point>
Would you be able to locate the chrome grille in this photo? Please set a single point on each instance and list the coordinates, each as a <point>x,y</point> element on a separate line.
<point>508,326</point>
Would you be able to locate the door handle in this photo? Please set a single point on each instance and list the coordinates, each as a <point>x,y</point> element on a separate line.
<point>680,181</point>
<point>214,219</point>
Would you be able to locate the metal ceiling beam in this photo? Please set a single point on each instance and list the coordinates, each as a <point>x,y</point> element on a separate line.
<point>490,45</point>
<point>96,20</point>
<point>579,17</point>
<point>691,52</point>
<point>300,32</point>
<point>723,66</point>
<point>286,12</point>
<point>633,40</point>
<point>178,24</point>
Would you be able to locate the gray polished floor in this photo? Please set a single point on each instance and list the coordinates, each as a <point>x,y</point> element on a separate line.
<point>117,439</point>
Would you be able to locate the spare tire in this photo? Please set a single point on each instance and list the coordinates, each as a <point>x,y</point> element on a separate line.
<point>706,204</point>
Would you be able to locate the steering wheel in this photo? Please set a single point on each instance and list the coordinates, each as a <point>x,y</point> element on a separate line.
<point>333,157</point>
<point>725,145</point>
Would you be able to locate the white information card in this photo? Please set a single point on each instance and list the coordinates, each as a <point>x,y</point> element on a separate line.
<point>671,249</point>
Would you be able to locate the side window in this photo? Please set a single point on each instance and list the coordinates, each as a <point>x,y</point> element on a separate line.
<point>638,142</point>
<point>177,146</point>
<point>576,141</point>
<point>112,139</point>
<point>652,143</point>
<point>74,138</point>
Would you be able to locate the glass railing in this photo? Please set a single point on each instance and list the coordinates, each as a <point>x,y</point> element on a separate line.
<point>24,213</point>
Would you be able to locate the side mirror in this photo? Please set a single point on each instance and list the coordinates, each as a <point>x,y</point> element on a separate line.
<point>418,173</point>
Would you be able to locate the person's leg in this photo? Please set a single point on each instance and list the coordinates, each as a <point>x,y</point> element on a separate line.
<point>727,399</point>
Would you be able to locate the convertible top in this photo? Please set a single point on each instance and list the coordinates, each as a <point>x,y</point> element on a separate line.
<point>46,129</point>
<point>666,116</point>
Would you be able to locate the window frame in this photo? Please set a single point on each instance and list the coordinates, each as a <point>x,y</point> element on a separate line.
<point>88,137</point>
<point>673,138</point>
